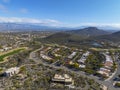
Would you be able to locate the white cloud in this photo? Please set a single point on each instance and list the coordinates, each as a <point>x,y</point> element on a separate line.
<point>6,1</point>
<point>112,25</point>
<point>51,22</point>
<point>47,22</point>
<point>116,25</point>
<point>3,8</point>
<point>23,10</point>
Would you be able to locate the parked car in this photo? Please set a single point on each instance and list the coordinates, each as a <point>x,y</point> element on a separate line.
<point>116,79</point>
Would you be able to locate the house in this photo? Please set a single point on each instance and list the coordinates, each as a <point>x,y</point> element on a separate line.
<point>104,71</point>
<point>72,55</point>
<point>83,58</point>
<point>108,58</point>
<point>57,55</point>
<point>56,50</point>
<point>108,64</point>
<point>65,79</point>
<point>7,48</point>
<point>107,52</point>
<point>46,49</point>
<point>45,57</point>
<point>82,66</point>
<point>10,72</point>
<point>103,87</point>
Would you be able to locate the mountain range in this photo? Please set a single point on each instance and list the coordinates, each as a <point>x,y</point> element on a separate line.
<point>40,27</point>
<point>89,31</point>
<point>65,34</point>
<point>28,27</point>
<point>114,37</point>
<point>85,34</point>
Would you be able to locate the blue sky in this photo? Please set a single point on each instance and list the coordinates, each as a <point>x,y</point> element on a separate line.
<point>62,12</point>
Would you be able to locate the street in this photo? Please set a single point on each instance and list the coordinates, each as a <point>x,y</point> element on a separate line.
<point>108,83</point>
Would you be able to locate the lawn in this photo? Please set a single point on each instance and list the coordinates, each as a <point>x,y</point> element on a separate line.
<point>10,53</point>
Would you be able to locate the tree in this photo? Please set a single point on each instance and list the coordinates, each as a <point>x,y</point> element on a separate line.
<point>119,75</point>
<point>117,84</point>
<point>76,65</point>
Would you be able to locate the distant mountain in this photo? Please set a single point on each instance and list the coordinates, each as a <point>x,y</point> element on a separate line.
<point>114,37</point>
<point>90,31</point>
<point>28,27</point>
<point>40,27</point>
<point>75,36</point>
<point>117,34</point>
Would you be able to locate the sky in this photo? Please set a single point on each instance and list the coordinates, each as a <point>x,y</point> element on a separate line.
<point>73,13</point>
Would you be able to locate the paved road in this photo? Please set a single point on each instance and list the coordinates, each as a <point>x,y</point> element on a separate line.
<point>108,83</point>
<point>33,54</point>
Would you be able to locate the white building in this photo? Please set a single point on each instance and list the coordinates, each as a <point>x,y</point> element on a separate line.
<point>12,71</point>
<point>72,55</point>
<point>65,78</point>
<point>84,57</point>
<point>104,71</point>
<point>45,57</point>
<point>7,48</point>
<point>82,66</point>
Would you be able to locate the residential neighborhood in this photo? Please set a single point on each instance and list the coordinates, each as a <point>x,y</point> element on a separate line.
<point>100,65</point>
<point>107,66</point>
<point>59,44</point>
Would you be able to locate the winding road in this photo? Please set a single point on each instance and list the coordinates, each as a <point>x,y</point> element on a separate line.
<point>108,83</point>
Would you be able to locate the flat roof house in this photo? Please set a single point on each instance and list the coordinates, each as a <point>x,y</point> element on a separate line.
<point>12,71</point>
<point>104,71</point>
<point>103,87</point>
<point>72,55</point>
<point>84,57</point>
<point>45,57</point>
<point>65,78</point>
<point>108,64</point>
